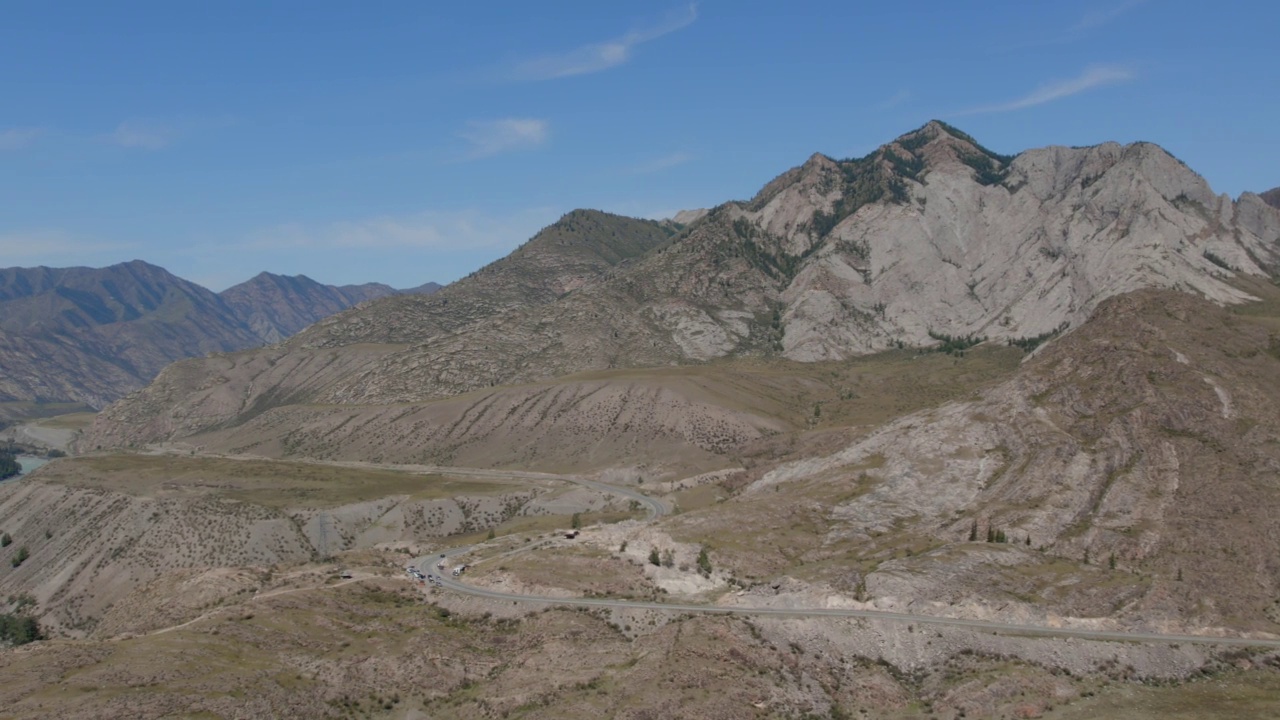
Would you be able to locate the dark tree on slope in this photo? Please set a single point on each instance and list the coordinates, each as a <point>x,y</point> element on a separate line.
<point>8,465</point>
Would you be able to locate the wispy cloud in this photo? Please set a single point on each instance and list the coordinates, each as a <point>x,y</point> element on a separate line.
<point>1081,29</point>
<point>492,137</point>
<point>18,138</point>
<point>152,134</point>
<point>56,248</point>
<point>144,135</point>
<point>1093,77</point>
<point>596,57</point>
<point>1100,17</point>
<point>898,98</point>
<point>439,231</point>
<point>666,162</point>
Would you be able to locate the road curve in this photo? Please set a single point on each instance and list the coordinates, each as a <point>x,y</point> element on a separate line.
<point>656,509</point>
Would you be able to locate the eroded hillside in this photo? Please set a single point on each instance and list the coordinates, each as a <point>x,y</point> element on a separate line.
<point>101,529</point>
<point>929,239</point>
<point>1129,468</point>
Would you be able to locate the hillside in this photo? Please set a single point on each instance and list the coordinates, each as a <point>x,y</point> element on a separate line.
<point>582,249</point>
<point>277,306</point>
<point>102,528</point>
<point>92,335</point>
<point>1130,465</point>
<point>930,239</point>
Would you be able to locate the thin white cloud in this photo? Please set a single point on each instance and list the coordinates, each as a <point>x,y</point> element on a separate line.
<point>150,134</point>
<point>492,137</point>
<point>18,138</point>
<point>1098,18</point>
<point>55,248</point>
<point>666,162</point>
<point>1082,28</point>
<point>144,135</point>
<point>596,57</point>
<point>1093,77</point>
<point>440,231</point>
<point>898,98</point>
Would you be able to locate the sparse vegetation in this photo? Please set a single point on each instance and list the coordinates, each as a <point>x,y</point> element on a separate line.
<point>955,344</point>
<point>18,629</point>
<point>9,465</point>
<point>20,556</point>
<point>1029,344</point>
<point>986,170</point>
<point>1217,260</point>
<point>865,182</point>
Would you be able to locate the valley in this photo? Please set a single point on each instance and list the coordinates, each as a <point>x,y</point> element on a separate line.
<point>934,432</point>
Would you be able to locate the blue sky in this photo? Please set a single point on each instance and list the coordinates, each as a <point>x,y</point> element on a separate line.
<point>403,142</point>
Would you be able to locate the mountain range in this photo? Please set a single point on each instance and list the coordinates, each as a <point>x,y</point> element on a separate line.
<point>92,335</point>
<point>1001,397</point>
<point>930,240</point>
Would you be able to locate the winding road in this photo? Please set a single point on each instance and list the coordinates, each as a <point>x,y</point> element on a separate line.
<point>657,509</point>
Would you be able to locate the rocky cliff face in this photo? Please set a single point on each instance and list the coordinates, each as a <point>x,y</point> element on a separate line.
<point>929,239</point>
<point>1271,197</point>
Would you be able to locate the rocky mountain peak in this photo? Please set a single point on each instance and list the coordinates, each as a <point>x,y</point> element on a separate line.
<point>936,146</point>
<point>1271,197</point>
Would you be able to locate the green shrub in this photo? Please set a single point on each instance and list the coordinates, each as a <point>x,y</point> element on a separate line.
<point>19,629</point>
<point>1217,260</point>
<point>1027,344</point>
<point>955,344</point>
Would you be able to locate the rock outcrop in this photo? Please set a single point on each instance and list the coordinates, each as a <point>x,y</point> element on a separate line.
<point>1271,197</point>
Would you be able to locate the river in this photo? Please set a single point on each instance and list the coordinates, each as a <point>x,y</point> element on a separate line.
<point>30,462</point>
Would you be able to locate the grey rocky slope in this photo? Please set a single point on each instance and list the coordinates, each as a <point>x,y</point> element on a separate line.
<point>930,237</point>
<point>1130,464</point>
<point>1271,197</point>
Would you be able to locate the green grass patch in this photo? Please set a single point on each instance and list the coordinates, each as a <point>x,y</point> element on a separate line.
<point>270,483</point>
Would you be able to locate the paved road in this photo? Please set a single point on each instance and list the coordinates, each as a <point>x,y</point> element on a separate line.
<point>657,509</point>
